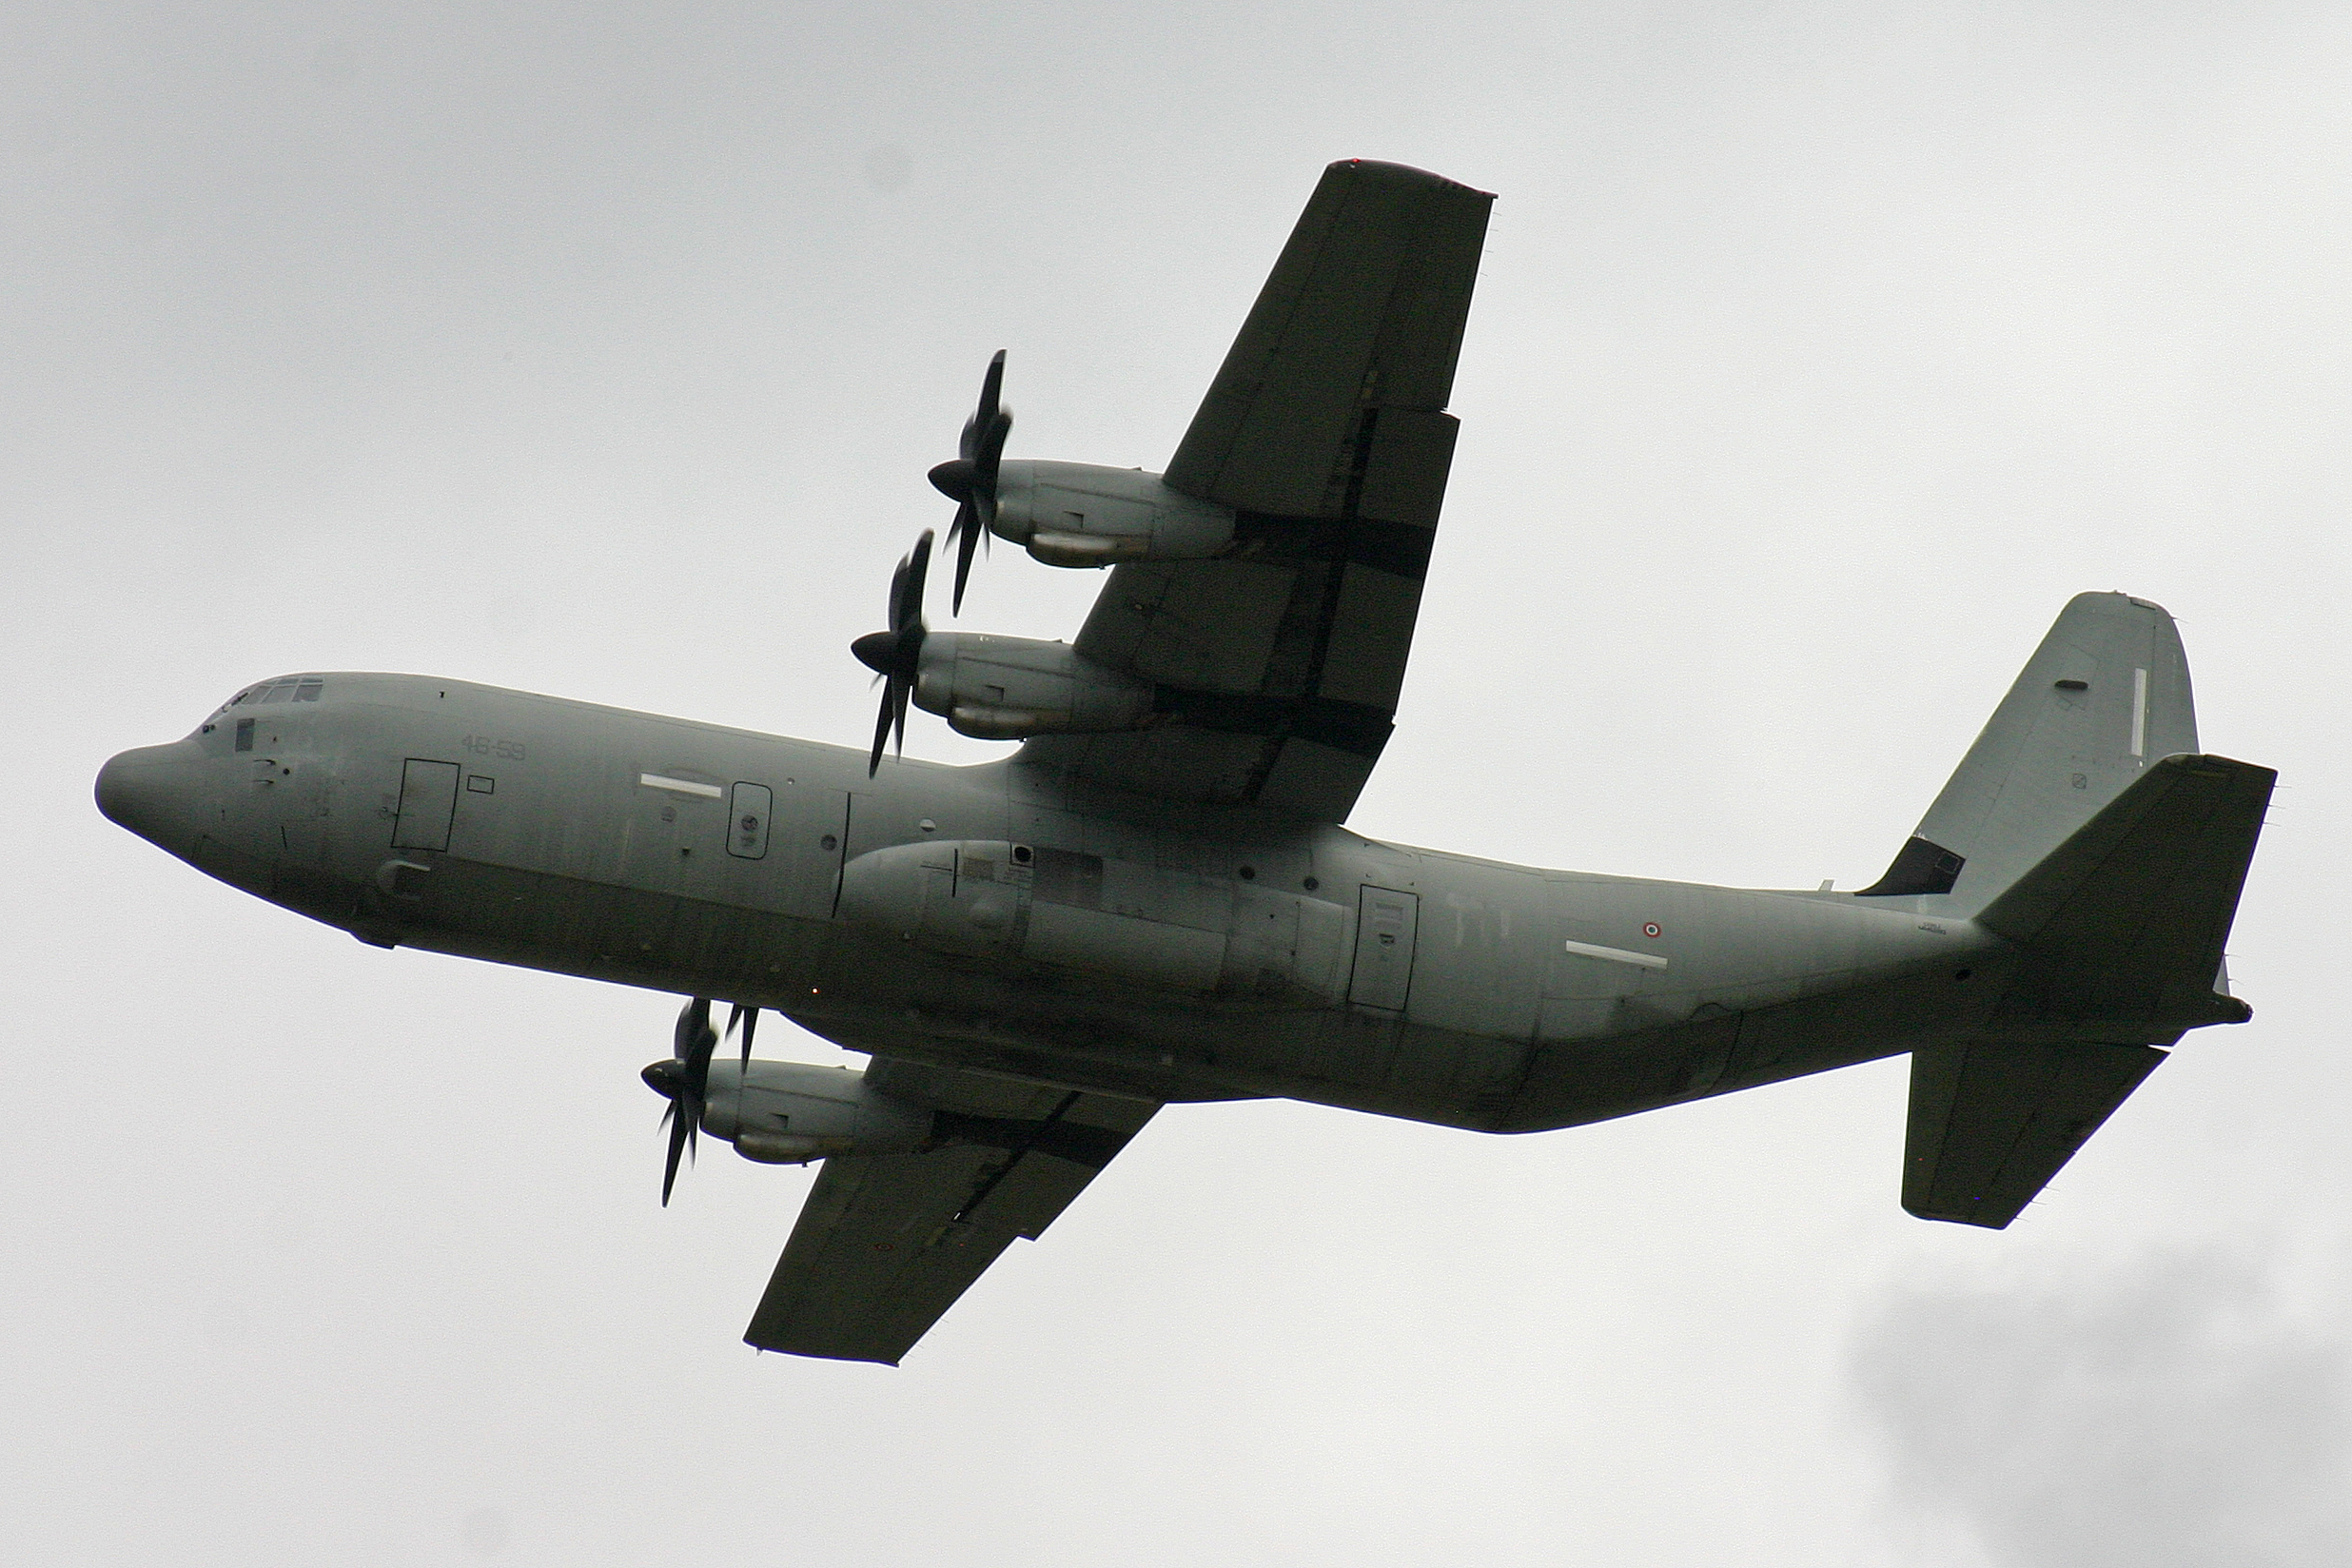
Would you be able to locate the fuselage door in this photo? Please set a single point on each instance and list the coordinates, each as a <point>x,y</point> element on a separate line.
<point>428,800</point>
<point>1386,922</point>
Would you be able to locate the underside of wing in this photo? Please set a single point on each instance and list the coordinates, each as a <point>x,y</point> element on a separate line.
<point>886,1244</point>
<point>1277,666</point>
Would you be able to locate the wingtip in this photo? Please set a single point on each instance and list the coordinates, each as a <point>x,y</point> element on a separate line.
<point>1402,174</point>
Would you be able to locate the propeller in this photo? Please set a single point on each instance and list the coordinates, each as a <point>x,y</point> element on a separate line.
<point>748,1018</point>
<point>969,481</point>
<point>684,1079</point>
<point>898,653</point>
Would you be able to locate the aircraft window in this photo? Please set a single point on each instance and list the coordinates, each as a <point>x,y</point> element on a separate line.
<point>291,689</point>
<point>244,735</point>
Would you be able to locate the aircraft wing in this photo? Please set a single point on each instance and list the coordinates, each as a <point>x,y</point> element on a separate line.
<point>886,1244</point>
<point>1278,665</point>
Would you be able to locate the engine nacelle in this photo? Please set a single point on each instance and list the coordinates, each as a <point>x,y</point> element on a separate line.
<point>1172,929</point>
<point>1007,687</point>
<point>1076,514</point>
<point>787,1113</point>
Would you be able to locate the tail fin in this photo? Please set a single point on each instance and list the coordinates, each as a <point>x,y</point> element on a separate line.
<point>2105,697</point>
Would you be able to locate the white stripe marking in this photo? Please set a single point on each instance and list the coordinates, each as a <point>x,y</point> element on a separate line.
<point>683,786</point>
<point>2139,712</point>
<point>1616,955</point>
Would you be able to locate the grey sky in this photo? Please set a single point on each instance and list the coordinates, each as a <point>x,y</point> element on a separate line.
<point>2175,1407</point>
<point>1820,353</point>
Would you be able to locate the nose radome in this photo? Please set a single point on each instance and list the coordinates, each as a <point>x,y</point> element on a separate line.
<point>146,790</point>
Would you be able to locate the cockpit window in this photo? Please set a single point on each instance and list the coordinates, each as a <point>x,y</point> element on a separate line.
<point>291,689</point>
<point>287,689</point>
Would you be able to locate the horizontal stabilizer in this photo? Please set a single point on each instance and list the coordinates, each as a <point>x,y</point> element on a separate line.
<point>2122,927</point>
<point>1992,1121</point>
<point>2126,920</point>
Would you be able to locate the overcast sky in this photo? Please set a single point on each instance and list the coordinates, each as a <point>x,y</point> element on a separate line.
<point>1820,353</point>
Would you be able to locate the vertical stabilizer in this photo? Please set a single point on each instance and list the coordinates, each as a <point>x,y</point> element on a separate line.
<point>2105,697</point>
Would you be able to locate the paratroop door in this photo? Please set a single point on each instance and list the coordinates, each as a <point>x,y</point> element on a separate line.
<point>1385,921</point>
<point>428,800</point>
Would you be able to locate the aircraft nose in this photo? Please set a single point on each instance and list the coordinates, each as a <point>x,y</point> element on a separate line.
<point>148,790</point>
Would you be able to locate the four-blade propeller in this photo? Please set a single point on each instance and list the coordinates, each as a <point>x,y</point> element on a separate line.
<point>969,480</point>
<point>896,655</point>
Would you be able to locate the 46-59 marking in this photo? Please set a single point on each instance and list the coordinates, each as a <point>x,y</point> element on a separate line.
<point>487,745</point>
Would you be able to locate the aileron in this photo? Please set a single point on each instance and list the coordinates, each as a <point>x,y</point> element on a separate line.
<point>886,1244</point>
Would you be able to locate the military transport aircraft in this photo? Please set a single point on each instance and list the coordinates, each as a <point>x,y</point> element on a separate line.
<point>1155,899</point>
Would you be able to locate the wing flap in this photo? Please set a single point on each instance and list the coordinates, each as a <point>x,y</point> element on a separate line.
<point>884,1244</point>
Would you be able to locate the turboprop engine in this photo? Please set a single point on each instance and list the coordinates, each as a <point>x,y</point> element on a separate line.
<point>787,1113</point>
<point>1009,688</point>
<point>1076,514</point>
<point>1066,514</point>
<point>775,1112</point>
<point>994,688</point>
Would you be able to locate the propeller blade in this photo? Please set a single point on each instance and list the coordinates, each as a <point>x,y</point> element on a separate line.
<point>685,1081</point>
<point>693,1020</point>
<point>969,479</point>
<point>964,534</point>
<point>976,428</point>
<point>992,386</point>
<point>908,611</point>
<point>898,653</point>
<point>693,1042</point>
<point>881,732</point>
<point>986,465</point>
<point>748,1018</point>
<point>892,611</point>
<point>678,1125</point>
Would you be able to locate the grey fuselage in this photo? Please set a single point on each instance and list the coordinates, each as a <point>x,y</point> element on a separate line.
<point>1171,952</point>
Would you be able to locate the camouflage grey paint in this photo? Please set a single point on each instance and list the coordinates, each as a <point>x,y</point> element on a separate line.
<point>999,917</point>
<point>595,842</point>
